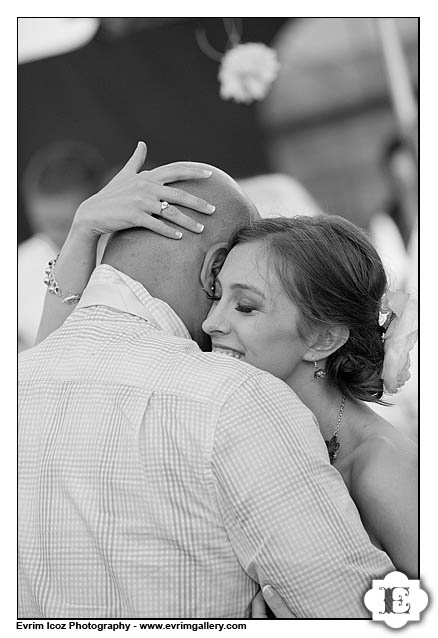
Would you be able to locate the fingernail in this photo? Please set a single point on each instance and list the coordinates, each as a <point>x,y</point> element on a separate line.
<point>199,228</point>
<point>178,235</point>
<point>211,208</point>
<point>207,173</point>
<point>267,592</point>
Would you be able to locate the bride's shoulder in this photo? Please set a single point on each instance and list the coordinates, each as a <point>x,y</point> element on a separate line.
<point>386,461</point>
<point>383,442</point>
<point>385,490</point>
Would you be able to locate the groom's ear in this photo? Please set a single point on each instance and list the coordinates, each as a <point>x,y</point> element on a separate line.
<point>213,262</point>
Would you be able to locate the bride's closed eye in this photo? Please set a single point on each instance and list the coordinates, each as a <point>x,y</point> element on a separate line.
<point>242,307</point>
<point>247,305</point>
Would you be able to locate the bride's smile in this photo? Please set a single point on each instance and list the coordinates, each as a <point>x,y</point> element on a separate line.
<point>251,317</point>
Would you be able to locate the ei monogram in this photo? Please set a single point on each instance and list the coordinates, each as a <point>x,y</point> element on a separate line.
<point>396,600</point>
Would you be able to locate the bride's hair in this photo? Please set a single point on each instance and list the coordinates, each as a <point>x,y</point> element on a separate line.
<point>334,275</point>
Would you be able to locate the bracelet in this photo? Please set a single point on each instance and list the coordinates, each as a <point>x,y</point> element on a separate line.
<point>53,285</point>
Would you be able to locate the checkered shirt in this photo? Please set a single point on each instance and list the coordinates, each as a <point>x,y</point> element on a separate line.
<point>158,481</point>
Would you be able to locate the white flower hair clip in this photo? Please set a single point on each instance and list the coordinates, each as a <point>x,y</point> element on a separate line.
<point>247,70</point>
<point>400,335</point>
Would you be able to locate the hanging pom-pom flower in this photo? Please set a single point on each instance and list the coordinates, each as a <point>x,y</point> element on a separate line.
<point>247,72</point>
<point>399,338</point>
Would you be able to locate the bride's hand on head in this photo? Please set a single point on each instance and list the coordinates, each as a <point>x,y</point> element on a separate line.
<point>129,200</point>
<point>133,196</point>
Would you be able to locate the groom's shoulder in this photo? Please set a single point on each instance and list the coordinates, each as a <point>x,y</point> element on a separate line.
<point>216,377</point>
<point>245,398</point>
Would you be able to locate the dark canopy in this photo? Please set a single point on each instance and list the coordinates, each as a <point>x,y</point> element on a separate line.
<point>154,84</point>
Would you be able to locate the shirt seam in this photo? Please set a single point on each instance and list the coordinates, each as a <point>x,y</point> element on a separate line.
<point>212,481</point>
<point>218,404</point>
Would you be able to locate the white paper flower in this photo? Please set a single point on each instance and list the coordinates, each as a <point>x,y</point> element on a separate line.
<point>400,338</point>
<point>247,72</point>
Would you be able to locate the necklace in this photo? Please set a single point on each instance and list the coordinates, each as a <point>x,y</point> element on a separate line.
<point>333,445</point>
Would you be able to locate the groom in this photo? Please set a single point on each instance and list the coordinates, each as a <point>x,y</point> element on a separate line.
<point>160,481</point>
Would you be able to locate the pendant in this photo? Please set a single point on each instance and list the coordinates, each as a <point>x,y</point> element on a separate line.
<point>333,447</point>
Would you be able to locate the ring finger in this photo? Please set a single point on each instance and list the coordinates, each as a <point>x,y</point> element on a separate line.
<point>181,197</point>
<point>174,215</point>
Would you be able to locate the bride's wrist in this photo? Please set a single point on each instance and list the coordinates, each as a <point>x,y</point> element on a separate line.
<point>74,265</point>
<point>81,231</point>
<point>79,246</point>
<point>77,258</point>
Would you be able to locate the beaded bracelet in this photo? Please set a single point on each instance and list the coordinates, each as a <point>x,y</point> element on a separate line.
<point>53,285</point>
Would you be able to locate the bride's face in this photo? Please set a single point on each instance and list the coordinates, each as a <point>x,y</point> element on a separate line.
<point>253,319</point>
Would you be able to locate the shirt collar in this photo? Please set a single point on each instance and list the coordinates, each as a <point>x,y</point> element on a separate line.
<point>110,287</point>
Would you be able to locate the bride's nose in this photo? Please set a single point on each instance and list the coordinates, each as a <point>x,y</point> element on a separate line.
<point>216,320</point>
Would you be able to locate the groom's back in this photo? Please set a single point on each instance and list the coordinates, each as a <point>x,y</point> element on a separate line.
<point>157,481</point>
<point>118,511</point>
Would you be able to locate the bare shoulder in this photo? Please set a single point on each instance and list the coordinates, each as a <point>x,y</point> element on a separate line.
<point>384,475</point>
<point>387,458</point>
<point>384,486</point>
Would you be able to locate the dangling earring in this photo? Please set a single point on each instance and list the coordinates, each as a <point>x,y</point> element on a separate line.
<point>318,373</point>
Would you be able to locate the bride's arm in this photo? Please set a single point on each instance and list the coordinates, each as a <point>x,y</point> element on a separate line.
<point>387,499</point>
<point>129,200</point>
<point>75,264</point>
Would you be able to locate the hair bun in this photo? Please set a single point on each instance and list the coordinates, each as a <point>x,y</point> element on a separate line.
<point>348,363</point>
<point>358,374</point>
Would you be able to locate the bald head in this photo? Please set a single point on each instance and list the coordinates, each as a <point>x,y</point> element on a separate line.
<point>169,269</point>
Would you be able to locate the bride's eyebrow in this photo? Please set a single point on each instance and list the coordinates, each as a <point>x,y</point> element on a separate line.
<point>254,289</point>
<point>239,286</point>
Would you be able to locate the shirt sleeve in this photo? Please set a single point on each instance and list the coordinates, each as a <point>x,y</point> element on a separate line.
<point>286,510</point>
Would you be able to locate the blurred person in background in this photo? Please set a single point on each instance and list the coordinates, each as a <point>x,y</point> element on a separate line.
<point>279,195</point>
<point>58,178</point>
<point>400,168</point>
<point>394,232</point>
<point>394,227</point>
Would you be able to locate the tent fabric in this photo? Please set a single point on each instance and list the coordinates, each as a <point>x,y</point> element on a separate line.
<point>154,84</point>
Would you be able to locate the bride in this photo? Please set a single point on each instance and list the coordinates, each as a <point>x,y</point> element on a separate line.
<point>300,298</point>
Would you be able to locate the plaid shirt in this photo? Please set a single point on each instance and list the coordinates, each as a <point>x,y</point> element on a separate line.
<point>158,481</point>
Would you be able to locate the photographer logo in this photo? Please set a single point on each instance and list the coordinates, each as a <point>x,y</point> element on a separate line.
<point>396,600</point>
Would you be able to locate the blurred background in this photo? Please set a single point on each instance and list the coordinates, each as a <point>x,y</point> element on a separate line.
<point>336,133</point>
